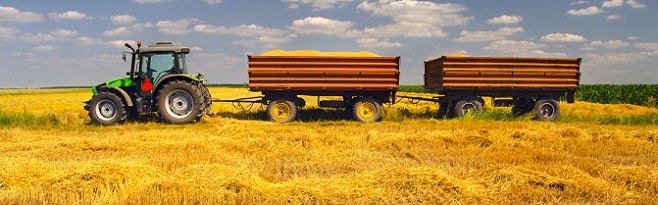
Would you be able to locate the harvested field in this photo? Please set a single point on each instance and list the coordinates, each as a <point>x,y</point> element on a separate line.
<point>595,154</point>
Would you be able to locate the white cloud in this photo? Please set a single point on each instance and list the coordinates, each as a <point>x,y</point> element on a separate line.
<point>24,55</point>
<point>607,44</point>
<point>212,1</point>
<point>259,36</point>
<point>546,54</point>
<point>64,33</point>
<point>123,19</point>
<point>579,2</point>
<point>404,29</point>
<point>87,41</point>
<point>647,46</point>
<point>479,36</point>
<point>69,15</point>
<point>562,37</point>
<point>411,18</point>
<point>8,32</point>
<point>39,37</point>
<point>121,31</point>
<point>636,5</point>
<point>242,30</point>
<point>592,10</point>
<point>376,43</point>
<point>505,19</point>
<point>177,27</point>
<point>318,4</point>
<point>119,43</point>
<point>612,3</point>
<point>418,12</point>
<point>141,26</point>
<point>10,14</point>
<point>632,38</point>
<point>519,48</point>
<point>614,17</point>
<point>56,35</point>
<point>320,25</point>
<point>45,48</point>
<point>268,42</point>
<point>595,60</point>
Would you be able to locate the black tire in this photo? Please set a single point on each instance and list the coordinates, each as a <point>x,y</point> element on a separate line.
<point>367,109</point>
<point>106,108</point>
<point>462,107</point>
<point>281,110</point>
<point>547,110</point>
<point>444,107</point>
<point>180,102</point>
<point>207,99</point>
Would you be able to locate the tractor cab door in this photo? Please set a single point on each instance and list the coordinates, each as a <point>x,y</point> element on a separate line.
<point>153,66</point>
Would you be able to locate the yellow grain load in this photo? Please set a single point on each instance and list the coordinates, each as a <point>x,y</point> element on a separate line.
<point>318,53</point>
<point>457,55</point>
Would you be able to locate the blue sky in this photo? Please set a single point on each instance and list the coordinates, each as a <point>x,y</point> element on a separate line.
<point>79,43</point>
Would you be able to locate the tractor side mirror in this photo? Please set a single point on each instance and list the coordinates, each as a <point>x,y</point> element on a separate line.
<point>123,56</point>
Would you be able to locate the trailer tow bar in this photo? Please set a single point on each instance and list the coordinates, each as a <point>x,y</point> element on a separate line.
<point>237,103</point>
<point>415,99</point>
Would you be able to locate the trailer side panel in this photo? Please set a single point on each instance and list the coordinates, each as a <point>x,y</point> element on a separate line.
<point>323,73</point>
<point>454,74</point>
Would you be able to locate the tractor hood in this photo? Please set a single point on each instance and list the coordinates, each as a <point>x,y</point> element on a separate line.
<point>117,83</point>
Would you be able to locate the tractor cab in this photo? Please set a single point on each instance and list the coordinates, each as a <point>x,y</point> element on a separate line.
<point>156,62</point>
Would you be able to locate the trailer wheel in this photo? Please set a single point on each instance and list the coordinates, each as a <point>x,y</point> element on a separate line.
<point>106,108</point>
<point>460,108</point>
<point>281,110</point>
<point>367,110</point>
<point>547,110</point>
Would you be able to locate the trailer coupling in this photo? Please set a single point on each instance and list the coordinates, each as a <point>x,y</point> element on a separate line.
<point>238,103</point>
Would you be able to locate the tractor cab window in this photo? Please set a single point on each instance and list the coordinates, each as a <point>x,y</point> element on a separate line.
<point>155,65</point>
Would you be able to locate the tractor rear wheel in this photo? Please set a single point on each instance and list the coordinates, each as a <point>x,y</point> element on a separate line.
<point>106,108</point>
<point>180,102</point>
<point>207,99</point>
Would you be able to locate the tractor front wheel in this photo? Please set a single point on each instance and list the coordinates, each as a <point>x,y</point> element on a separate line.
<point>180,102</point>
<point>106,108</point>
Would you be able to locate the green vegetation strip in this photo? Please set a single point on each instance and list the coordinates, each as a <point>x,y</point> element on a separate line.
<point>636,94</point>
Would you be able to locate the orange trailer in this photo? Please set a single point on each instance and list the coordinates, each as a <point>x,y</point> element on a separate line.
<point>363,82</point>
<point>527,84</point>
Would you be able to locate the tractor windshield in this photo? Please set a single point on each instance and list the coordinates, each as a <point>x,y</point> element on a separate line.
<point>155,65</point>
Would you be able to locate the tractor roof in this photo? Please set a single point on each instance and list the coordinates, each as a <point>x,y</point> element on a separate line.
<point>165,46</point>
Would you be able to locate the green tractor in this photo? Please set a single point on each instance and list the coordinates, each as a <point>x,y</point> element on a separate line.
<point>158,82</point>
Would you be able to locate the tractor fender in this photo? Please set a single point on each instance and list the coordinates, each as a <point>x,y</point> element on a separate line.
<point>124,94</point>
<point>168,78</point>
